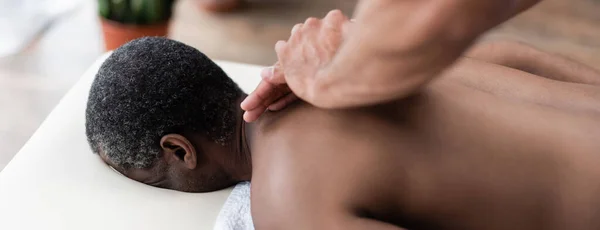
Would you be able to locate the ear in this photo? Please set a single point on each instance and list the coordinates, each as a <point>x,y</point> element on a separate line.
<point>178,149</point>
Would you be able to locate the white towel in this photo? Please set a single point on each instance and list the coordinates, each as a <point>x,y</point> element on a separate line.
<point>235,214</point>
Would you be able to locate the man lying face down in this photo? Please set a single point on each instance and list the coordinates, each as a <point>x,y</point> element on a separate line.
<point>486,146</point>
<point>164,114</point>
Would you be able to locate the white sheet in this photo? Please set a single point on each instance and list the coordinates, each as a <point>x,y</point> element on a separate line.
<point>56,183</point>
<point>236,213</point>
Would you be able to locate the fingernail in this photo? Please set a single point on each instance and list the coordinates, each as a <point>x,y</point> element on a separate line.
<point>245,116</point>
<point>267,73</point>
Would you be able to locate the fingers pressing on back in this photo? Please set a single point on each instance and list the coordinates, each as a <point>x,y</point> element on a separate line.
<point>283,102</point>
<point>261,94</point>
<point>253,115</point>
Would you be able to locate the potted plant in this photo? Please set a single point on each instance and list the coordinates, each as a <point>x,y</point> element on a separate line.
<point>125,20</point>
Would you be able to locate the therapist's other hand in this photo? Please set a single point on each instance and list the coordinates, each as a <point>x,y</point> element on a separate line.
<point>272,95</point>
<point>393,49</point>
<point>323,38</point>
<point>309,50</point>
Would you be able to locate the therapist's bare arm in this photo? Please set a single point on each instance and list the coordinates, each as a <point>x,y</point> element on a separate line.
<point>391,50</point>
<point>395,47</point>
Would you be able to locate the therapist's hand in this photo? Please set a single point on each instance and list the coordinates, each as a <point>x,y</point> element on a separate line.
<point>311,47</point>
<point>271,95</point>
<point>309,51</point>
<point>394,49</point>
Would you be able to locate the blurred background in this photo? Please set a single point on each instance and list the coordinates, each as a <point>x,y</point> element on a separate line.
<point>45,45</point>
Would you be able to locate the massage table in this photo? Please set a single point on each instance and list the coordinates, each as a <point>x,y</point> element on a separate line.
<point>55,182</point>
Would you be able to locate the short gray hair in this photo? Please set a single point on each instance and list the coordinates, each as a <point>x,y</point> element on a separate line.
<point>151,87</point>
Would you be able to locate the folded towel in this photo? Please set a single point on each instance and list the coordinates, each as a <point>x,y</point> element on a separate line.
<point>235,214</point>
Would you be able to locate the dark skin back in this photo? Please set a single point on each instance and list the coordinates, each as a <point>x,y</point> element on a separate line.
<point>486,146</point>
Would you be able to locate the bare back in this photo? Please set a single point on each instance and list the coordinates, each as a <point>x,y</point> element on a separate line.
<point>453,157</point>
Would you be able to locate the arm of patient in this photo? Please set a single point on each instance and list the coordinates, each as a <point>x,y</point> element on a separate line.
<point>532,60</point>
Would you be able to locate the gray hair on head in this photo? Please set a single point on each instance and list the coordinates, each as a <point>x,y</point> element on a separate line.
<point>151,87</point>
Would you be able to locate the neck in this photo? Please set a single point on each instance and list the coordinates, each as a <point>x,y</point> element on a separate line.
<point>244,135</point>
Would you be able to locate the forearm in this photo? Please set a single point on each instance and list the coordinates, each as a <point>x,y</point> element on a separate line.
<point>364,77</point>
<point>395,47</point>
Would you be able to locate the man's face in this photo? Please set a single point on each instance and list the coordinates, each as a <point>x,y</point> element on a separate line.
<point>207,178</point>
<point>154,176</point>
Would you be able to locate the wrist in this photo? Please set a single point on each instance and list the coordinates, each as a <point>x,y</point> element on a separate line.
<point>321,93</point>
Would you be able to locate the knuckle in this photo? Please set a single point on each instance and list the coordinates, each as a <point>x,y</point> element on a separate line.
<point>335,14</point>
<point>310,22</point>
<point>296,28</point>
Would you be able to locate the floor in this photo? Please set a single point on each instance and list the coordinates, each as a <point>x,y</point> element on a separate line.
<point>33,81</point>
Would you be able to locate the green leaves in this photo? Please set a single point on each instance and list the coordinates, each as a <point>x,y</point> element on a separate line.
<point>139,12</point>
<point>104,8</point>
<point>153,10</point>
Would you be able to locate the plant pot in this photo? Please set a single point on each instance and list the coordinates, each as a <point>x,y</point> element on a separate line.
<point>220,6</point>
<point>116,34</point>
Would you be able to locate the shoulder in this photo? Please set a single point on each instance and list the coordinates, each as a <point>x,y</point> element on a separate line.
<point>300,114</point>
<point>289,182</point>
<point>285,196</point>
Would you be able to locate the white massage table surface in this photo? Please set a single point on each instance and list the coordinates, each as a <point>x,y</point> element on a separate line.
<point>55,182</point>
